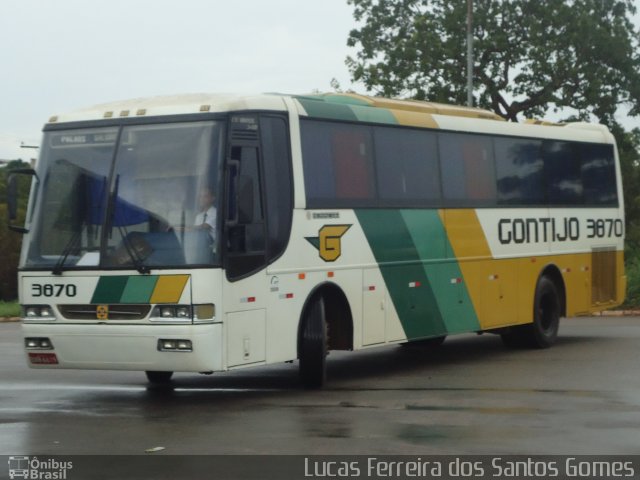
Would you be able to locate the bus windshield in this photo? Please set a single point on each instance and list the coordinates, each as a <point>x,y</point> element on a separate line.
<point>138,196</point>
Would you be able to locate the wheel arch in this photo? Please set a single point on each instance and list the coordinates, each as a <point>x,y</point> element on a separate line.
<point>338,316</point>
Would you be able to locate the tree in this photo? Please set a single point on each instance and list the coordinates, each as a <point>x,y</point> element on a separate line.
<point>530,55</point>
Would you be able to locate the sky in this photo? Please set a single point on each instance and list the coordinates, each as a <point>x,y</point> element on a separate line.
<point>60,55</point>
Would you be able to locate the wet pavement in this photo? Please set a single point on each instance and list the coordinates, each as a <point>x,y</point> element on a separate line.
<point>470,396</point>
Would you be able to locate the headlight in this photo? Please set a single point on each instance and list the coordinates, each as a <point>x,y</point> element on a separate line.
<point>38,312</point>
<point>38,343</point>
<point>172,313</point>
<point>169,345</point>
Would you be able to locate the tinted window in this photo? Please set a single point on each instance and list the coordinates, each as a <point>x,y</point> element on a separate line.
<point>468,174</point>
<point>598,174</point>
<point>277,181</point>
<point>407,166</point>
<point>338,164</point>
<point>519,171</point>
<point>563,173</point>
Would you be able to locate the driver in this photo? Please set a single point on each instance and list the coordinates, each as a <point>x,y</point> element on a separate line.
<point>206,218</point>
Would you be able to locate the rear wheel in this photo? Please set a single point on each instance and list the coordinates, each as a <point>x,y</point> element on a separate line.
<point>159,378</point>
<point>543,332</point>
<point>313,346</point>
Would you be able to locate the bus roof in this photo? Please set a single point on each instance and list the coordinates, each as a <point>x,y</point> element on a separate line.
<point>173,105</point>
<point>336,106</point>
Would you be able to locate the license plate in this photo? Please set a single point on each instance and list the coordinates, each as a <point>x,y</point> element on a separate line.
<point>43,358</point>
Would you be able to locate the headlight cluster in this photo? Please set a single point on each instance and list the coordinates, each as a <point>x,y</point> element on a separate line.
<point>38,312</point>
<point>171,345</point>
<point>183,313</point>
<point>172,313</point>
<point>38,343</point>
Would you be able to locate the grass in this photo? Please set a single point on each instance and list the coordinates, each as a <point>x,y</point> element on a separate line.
<point>9,309</point>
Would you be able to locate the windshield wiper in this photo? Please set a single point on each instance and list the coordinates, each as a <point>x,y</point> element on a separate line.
<point>58,268</point>
<point>136,251</point>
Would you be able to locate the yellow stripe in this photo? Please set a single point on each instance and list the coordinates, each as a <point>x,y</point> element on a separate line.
<point>465,234</point>
<point>169,288</point>
<point>472,251</point>
<point>413,119</point>
<point>502,291</point>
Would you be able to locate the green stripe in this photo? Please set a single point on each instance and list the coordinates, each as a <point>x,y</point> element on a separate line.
<point>429,236</point>
<point>109,289</point>
<point>400,264</point>
<point>345,99</point>
<point>321,109</point>
<point>337,107</point>
<point>412,245</point>
<point>374,115</point>
<point>139,289</point>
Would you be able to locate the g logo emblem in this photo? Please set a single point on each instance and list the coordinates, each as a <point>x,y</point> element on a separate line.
<point>102,312</point>
<point>328,242</point>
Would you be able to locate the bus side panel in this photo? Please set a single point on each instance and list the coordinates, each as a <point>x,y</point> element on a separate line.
<point>424,284</point>
<point>493,285</point>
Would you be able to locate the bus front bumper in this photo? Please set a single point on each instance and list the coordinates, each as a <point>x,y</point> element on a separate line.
<point>127,347</point>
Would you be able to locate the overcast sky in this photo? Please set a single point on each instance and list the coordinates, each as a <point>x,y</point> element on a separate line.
<point>59,55</point>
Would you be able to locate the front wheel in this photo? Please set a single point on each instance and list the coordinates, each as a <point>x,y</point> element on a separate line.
<point>547,309</point>
<point>313,346</point>
<point>159,378</point>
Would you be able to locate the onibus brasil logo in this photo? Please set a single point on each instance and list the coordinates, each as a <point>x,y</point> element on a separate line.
<point>34,469</point>
<point>328,242</point>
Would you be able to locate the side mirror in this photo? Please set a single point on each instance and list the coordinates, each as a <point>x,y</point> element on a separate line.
<point>12,196</point>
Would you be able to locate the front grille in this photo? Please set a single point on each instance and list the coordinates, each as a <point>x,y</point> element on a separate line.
<point>114,312</point>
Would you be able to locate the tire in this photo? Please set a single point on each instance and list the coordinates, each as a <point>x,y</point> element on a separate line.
<point>313,346</point>
<point>543,332</point>
<point>159,378</point>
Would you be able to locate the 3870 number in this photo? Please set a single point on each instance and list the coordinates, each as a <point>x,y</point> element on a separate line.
<point>602,228</point>
<point>53,290</point>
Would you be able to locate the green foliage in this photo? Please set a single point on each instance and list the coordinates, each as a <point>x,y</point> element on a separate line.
<point>629,151</point>
<point>10,241</point>
<point>530,55</point>
<point>9,309</point>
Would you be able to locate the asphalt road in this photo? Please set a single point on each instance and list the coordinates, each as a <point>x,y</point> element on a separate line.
<point>470,396</point>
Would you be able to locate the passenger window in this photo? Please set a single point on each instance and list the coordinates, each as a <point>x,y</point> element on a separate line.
<point>338,164</point>
<point>599,175</point>
<point>562,168</point>
<point>519,171</point>
<point>468,174</point>
<point>407,167</point>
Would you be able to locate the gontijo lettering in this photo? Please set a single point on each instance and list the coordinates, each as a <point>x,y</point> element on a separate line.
<point>542,230</point>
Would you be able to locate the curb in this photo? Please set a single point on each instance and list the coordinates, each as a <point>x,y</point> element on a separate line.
<point>618,313</point>
<point>9,319</point>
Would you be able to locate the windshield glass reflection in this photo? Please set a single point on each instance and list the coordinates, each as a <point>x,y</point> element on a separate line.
<point>153,207</point>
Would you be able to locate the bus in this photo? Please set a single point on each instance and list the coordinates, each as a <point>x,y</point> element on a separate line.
<point>206,233</point>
